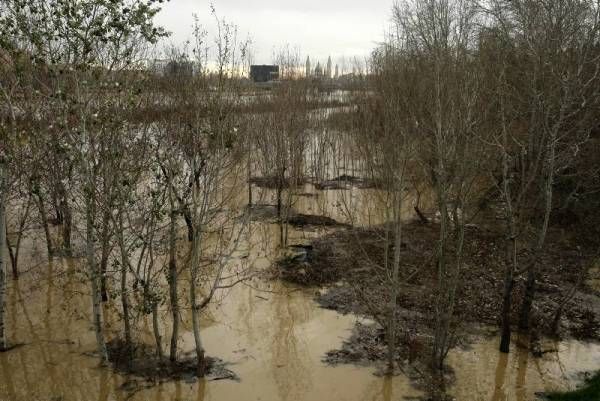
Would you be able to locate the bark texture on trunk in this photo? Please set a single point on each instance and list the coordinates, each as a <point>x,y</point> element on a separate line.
<point>530,286</point>
<point>94,276</point>
<point>195,308</point>
<point>173,293</point>
<point>66,219</point>
<point>44,218</point>
<point>395,283</point>
<point>2,256</point>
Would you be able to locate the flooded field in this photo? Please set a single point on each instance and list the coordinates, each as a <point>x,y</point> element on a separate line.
<point>272,335</point>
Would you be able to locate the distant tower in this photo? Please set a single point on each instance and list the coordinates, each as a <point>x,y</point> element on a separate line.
<point>308,70</point>
<point>318,70</point>
<point>337,72</point>
<point>328,70</point>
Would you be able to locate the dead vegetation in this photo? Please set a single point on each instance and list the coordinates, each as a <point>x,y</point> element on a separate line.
<point>348,262</point>
<point>141,362</point>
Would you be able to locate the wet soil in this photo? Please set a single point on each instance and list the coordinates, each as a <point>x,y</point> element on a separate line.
<point>143,369</point>
<point>346,181</point>
<point>268,213</point>
<point>351,263</point>
<point>272,182</point>
<point>140,360</point>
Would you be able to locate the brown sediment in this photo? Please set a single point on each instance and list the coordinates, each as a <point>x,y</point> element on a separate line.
<point>353,260</point>
<point>274,334</point>
<point>140,360</point>
<point>273,182</point>
<point>346,181</point>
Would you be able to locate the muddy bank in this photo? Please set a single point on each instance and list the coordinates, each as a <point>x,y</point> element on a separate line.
<point>354,260</point>
<point>268,213</point>
<point>141,361</point>
<point>346,181</point>
<point>273,182</point>
<point>144,369</point>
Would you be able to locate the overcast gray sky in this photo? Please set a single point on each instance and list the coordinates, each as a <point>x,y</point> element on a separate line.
<point>318,27</point>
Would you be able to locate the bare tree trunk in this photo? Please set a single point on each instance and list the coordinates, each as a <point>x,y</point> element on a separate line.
<point>249,168</point>
<point>173,295</point>
<point>66,219</point>
<point>525,313</point>
<point>124,298</point>
<point>395,276</point>
<point>156,329</point>
<point>14,256</point>
<point>195,308</point>
<point>105,251</point>
<point>439,336</point>
<point>44,219</point>
<point>3,344</point>
<point>125,305</point>
<point>94,276</point>
<point>188,222</point>
<point>510,263</point>
<point>511,234</point>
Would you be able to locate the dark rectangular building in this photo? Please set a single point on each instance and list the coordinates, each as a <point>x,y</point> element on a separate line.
<point>264,73</point>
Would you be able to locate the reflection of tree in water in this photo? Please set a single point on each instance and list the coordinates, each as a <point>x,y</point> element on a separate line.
<point>290,352</point>
<point>522,362</point>
<point>500,377</point>
<point>380,389</point>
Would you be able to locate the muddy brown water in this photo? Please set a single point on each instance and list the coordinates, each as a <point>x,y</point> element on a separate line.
<point>272,334</point>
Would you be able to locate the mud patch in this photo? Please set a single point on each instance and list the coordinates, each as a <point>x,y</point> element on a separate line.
<point>365,345</point>
<point>355,259</point>
<point>272,182</point>
<point>268,213</point>
<point>144,369</point>
<point>302,220</point>
<point>345,182</point>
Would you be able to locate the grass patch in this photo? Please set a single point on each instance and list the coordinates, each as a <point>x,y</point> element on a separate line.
<point>589,392</point>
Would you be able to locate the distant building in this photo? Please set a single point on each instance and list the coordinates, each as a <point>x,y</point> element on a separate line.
<point>308,69</point>
<point>318,71</point>
<point>264,73</point>
<point>182,68</point>
<point>157,66</point>
<point>337,72</point>
<point>328,69</point>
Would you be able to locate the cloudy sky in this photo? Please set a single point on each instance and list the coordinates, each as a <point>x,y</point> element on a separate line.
<point>340,28</point>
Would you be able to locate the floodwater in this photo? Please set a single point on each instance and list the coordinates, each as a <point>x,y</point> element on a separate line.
<point>274,335</point>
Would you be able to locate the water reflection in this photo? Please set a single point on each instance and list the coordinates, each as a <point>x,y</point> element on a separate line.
<point>275,336</point>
